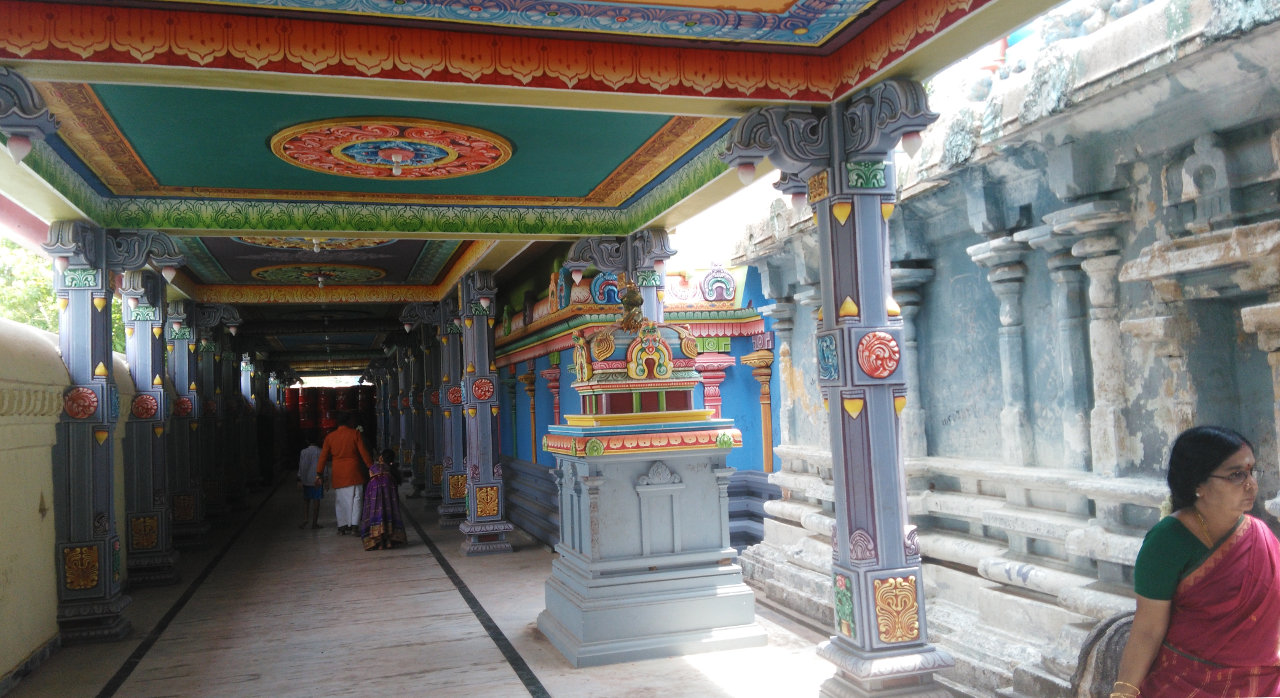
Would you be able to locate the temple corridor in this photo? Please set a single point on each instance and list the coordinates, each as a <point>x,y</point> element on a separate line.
<point>267,609</point>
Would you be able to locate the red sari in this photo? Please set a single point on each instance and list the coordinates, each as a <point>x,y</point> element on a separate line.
<point>1224,628</point>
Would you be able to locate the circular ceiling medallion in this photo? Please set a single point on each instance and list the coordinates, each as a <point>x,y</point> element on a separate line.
<point>391,148</point>
<point>312,274</point>
<point>315,244</point>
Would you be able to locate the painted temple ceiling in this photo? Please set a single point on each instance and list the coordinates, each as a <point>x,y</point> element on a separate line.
<point>354,155</point>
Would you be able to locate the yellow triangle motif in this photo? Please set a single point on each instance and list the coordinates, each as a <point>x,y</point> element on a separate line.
<point>848,308</point>
<point>128,331</point>
<point>819,315</point>
<point>853,406</point>
<point>156,332</point>
<point>892,307</point>
<point>62,303</point>
<point>841,210</point>
<point>100,435</point>
<point>899,403</point>
<point>494,410</point>
<point>826,404</point>
<point>100,371</point>
<point>493,368</point>
<point>159,431</point>
<point>468,322</point>
<point>194,425</point>
<point>99,303</point>
<point>490,322</point>
<point>157,380</point>
<point>471,411</point>
<point>471,368</point>
<point>192,387</point>
<point>886,210</point>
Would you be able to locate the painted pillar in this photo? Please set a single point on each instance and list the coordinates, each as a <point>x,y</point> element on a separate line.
<point>843,152</point>
<point>530,380</point>
<point>552,377</point>
<point>381,378</point>
<point>88,558</point>
<point>783,322</point>
<point>217,444</point>
<point>1003,257</point>
<point>1072,344</point>
<point>417,405</point>
<point>186,459</point>
<point>149,526</point>
<point>712,367</point>
<point>251,460</point>
<point>428,472</point>
<point>485,528</point>
<point>906,291</point>
<point>453,495</point>
<point>1099,251</point>
<point>761,362</point>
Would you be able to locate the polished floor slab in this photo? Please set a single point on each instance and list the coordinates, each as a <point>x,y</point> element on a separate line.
<point>268,609</point>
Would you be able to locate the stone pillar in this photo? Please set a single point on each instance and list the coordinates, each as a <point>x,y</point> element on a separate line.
<point>906,291</point>
<point>425,398</point>
<point>186,458</point>
<point>552,377</point>
<point>149,528</point>
<point>712,366</point>
<point>255,471</point>
<point>88,559</point>
<point>485,528</point>
<point>783,317</point>
<point>453,503</point>
<point>530,380</point>
<point>417,404</point>
<point>843,152</point>
<point>215,441</point>
<point>761,363</point>
<point>1072,344</point>
<point>433,424</point>
<point>1099,251</point>
<point>381,378</point>
<point>1264,320</point>
<point>1003,258</point>
<point>406,366</point>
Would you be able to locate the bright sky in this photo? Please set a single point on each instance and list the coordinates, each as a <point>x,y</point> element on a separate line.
<point>712,235</point>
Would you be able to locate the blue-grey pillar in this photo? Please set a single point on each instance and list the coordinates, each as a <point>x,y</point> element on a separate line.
<point>422,322</point>
<point>90,577</point>
<point>844,153</point>
<point>453,494</point>
<point>215,440</point>
<point>186,458</point>
<point>485,527</point>
<point>149,525</point>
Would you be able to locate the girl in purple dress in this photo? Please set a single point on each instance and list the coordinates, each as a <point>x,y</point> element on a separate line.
<point>381,525</point>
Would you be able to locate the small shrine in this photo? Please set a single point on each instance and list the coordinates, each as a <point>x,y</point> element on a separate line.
<point>645,569</point>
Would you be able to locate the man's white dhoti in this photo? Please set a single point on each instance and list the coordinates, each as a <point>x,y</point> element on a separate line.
<point>347,502</point>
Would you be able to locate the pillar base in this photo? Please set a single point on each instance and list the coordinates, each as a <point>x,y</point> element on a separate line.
<point>628,616</point>
<point>483,538</point>
<point>155,569</point>
<point>190,536</point>
<point>883,675</point>
<point>93,621</point>
<point>451,514</point>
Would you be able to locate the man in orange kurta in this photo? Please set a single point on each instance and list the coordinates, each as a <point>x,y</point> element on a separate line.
<point>345,447</point>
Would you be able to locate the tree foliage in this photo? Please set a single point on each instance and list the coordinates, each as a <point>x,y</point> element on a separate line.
<point>26,295</point>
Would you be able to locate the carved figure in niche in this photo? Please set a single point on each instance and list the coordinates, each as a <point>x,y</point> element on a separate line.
<point>632,315</point>
<point>581,357</point>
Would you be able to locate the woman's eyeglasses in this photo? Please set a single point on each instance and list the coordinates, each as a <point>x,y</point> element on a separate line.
<point>1238,477</point>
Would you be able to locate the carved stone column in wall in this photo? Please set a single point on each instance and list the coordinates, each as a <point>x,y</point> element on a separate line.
<point>552,377</point>
<point>843,151</point>
<point>1003,257</point>
<point>149,525</point>
<point>712,367</point>
<point>426,318</point>
<point>783,317</point>
<point>214,439</point>
<point>530,380</point>
<point>761,363</point>
<point>88,559</point>
<point>1072,344</point>
<point>485,528</point>
<point>641,255</point>
<point>1264,320</point>
<point>906,292</point>
<point>186,459</point>
<point>1099,250</point>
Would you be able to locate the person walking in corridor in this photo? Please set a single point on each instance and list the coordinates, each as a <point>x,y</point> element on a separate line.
<point>345,447</point>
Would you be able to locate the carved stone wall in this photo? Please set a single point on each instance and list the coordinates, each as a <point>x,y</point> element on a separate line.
<point>1087,242</point>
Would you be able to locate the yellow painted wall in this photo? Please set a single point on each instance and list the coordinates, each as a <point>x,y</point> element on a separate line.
<point>32,380</point>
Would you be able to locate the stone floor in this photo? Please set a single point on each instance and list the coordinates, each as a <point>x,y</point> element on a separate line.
<point>268,609</point>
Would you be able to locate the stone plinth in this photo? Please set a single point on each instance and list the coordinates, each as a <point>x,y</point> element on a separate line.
<point>646,568</point>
